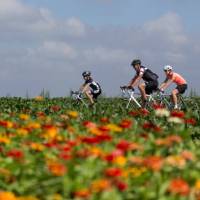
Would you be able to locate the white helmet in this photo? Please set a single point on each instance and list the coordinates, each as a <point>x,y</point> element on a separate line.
<point>167,68</point>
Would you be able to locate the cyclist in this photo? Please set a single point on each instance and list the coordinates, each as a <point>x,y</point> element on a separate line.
<point>150,83</point>
<point>90,88</point>
<point>173,77</point>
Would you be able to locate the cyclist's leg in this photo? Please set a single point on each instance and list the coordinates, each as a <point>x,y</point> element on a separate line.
<point>142,88</point>
<point>174,98</point>
<point>89,95</point>
<point>151,86</point>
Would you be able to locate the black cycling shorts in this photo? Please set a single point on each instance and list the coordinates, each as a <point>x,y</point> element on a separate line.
<point>181,88</point>
<point>151,86</point>
<point>95,95</point>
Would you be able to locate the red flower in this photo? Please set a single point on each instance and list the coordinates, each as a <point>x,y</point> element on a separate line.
<point>89,124</point>
<point>91,140</point>
<point>144,112</point>
<point>104,120</point>
<point>179,186</point>
<point>158,106</point>
<point>110,157</point>
<point>15,154</point>
<point>55,108</point>
<point>126,123</point>
<point>179,114</point>
<point>123,145</point>
<point>65,156</point>
<point>122,186</point>
<point>113,172</point>
<point>149,125</point>
<point>134,113</point>
<point>191,121</point>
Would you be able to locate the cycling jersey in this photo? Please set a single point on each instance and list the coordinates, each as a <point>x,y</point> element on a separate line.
<point>177,78</point>
<point>147,74</point>
<point>95,87</point>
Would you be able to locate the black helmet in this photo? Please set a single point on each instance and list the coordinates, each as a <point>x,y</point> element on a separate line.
<point>135,62</point>
<point>86,73</point>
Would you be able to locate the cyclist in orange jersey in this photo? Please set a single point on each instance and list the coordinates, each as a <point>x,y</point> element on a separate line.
<point>173,77</point>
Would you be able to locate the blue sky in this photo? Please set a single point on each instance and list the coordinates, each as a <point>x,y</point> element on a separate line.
<point>122,12</point>
<point>48,43</point>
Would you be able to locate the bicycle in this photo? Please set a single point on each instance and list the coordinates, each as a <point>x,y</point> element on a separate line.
<point>129,94</point>
<point>164,100</point>
<point>77,96</point>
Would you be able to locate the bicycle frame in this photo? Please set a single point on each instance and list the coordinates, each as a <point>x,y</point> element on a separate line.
<point>129,93</point>
<point>78,96</point>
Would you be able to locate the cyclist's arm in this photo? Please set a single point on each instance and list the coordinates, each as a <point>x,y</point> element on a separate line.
<point>85,87</point>
<point>166,84</point>
<point>135,80</point>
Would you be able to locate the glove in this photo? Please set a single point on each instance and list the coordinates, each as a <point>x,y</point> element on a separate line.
<point>161,90</point>
<point>130,88</point>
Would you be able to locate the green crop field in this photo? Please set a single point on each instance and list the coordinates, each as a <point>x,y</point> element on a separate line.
<point>56,149</point>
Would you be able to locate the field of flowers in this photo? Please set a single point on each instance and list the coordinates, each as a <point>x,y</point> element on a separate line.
<point>53,149</point>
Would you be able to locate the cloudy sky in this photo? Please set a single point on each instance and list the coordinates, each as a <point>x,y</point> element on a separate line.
<point>48,43</point>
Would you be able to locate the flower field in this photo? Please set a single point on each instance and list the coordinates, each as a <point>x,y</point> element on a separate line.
<point>53,149</point>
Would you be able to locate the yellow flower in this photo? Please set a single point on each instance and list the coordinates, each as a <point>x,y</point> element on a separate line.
<point>7,196</point>
<point>4,140</point>
<point>51,133</point>
<point>33,125</point>
<point>37,146</point>
<point>27,198</point>
<point>135,171</point>
<point>24,117</point>
<point>72,114</point>
<point>197,185</point>
<point>120,160</point>
<point>114,128</point>
<point>39,98</point>
<point>22,132</point>
<point>57,197</point>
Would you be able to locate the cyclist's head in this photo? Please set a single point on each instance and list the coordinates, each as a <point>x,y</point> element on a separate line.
<point>136,62</point>
<point>86,74</point>
<point>167,68</point>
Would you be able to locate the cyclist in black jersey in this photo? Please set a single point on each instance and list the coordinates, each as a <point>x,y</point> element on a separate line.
<point>90,87</point>
<point>150,83</point>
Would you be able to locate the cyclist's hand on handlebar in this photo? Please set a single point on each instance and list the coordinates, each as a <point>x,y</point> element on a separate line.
<point>123,87</point>
<point>161,90</point>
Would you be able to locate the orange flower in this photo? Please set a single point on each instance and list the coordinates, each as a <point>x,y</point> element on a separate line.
<point>179,186</point>
<point>168,141</point>
<point>153,162</point>
<point>57,169</point>
<point>100,185</point>
<point>126,123</point>
<point>7,196</point>
<point>82,193</point>
<point>187,155</point>
<point>176,161</point>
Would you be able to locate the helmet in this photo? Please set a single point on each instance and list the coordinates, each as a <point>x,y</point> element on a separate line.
<point>135,62</point>
<point>167,68</point>
<point>86,73</point>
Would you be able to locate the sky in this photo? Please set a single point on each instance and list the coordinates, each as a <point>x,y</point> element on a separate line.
<point>47,44</point>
